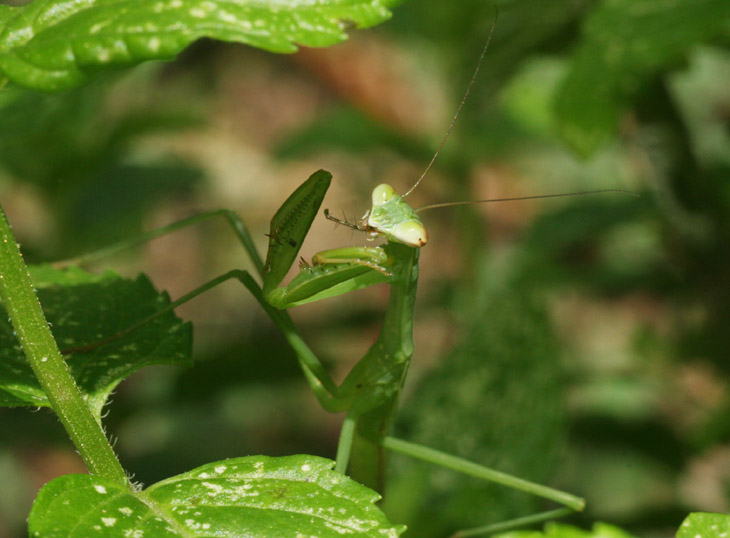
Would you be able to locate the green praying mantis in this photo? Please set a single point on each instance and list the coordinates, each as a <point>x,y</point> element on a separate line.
<point>369,394</point>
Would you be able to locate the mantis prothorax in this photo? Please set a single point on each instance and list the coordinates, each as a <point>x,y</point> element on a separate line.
<point>370,392</point>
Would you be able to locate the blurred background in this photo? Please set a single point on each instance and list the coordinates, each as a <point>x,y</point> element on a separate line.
<point>577,341</point>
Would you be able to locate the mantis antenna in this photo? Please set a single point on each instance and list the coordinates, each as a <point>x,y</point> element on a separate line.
<point>536,197</point>
<point>461,105</point>
<point>446,137</point>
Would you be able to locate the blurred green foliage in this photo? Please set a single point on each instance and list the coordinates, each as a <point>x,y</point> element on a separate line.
<point>79,154</point>
<point>629,409</point>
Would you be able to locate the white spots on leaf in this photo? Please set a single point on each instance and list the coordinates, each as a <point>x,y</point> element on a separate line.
<point>133,533</point>
<point>109,521</point>
<point>176,4</point>
<point>304,25</point>
<point>100,489</point>
<point>19,37</point>
<point>126,510</point>
<point>225,16</point>
<point>97,527</point>
<point>154,44</point>
<point>245,25</point>
<point>44,359</point>
<point>192,524</point>
<point>95,29</point>
<point>220,469</point>
<point>306,467</point>
<point>215,489</point>
<point>197,13</point>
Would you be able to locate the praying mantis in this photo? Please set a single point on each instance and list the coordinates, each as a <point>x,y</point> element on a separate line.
<point>369,394</point>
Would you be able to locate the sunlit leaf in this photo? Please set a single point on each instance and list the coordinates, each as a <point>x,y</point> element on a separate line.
<point>256,496</point>
<point>85,309</point>
<point>705,525</point>
<point>56,44</point>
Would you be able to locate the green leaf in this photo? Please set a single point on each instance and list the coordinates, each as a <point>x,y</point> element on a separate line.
<point>704,525</point>
<point>57,44</point>
<point>5,13</point>
<point>293,496</point>
<point>625,44</point>
<point>83,309</point>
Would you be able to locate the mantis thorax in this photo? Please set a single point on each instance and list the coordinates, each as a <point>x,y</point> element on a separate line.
<point>392,217</point>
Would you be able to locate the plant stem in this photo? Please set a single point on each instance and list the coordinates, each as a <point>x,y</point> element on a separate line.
<point>39,346</point>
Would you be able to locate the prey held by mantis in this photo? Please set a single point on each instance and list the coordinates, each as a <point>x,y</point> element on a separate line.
<point>369,394</point>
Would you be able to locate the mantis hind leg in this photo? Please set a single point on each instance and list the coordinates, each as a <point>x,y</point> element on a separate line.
<point>344,445</point>
<point>571,502</point>
<point>512,524</point>
<point>230,217</point>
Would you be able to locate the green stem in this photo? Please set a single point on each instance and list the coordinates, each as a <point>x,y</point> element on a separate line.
<point>34,334</point>
<point>513,523</point>
<point>479,471</point>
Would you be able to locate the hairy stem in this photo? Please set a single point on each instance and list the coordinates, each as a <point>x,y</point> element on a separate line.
<point>41,350</point>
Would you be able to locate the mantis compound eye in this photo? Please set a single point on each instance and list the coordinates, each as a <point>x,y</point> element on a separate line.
<point>411,233</point>
<point>382,193</point>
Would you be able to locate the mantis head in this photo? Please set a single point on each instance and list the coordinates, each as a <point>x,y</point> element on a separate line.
<point>392,217</point>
